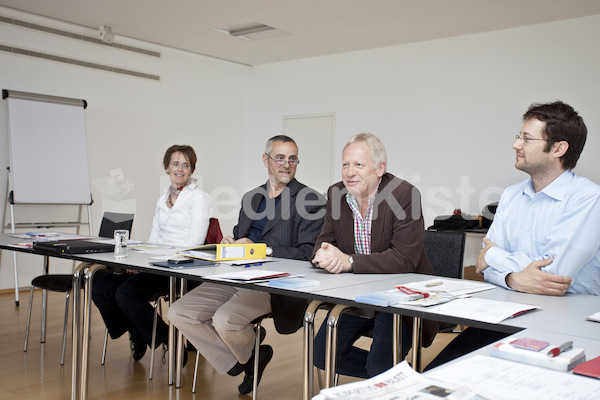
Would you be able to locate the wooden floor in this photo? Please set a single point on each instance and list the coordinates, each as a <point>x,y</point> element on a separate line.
<point>38,374</point>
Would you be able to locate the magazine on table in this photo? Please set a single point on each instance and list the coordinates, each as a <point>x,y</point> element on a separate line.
<point>399,383</point>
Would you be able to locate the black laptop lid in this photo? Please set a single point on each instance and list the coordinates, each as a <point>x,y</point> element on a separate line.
<point>73,246</point>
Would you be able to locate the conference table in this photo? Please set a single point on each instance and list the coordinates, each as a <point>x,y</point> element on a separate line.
<point>557,315</point>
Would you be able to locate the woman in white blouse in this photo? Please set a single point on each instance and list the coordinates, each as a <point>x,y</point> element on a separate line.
<point>181,220</point>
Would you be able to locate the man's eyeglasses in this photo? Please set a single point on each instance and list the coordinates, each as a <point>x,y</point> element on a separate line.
<point>280,161</point>
<point>527,139</point>
<point>176,165</point>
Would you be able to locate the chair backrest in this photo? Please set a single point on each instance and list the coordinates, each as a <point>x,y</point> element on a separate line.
<point>214,234</point>
<point>112,221</point>
<point>445,250</point>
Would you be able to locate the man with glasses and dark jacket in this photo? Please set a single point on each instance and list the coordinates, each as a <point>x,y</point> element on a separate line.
<point>287,216</point>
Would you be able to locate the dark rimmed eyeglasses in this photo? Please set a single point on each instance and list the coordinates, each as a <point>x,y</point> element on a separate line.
<point>281,162</point>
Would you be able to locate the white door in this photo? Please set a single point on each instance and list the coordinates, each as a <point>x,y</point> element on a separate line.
<point>314,136</point>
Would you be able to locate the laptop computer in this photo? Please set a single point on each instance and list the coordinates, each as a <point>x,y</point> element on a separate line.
<point>77,246</point>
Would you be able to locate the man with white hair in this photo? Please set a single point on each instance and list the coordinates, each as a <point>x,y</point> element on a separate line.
<point>373,224</point>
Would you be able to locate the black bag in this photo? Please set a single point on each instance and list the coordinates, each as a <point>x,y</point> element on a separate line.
<point>454,222</point>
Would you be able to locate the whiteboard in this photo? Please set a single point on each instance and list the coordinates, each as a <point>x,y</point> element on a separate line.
<point>48,152</point>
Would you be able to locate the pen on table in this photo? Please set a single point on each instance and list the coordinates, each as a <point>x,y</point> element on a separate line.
<point>436,283</point>
<point>252,265</point>
<point>411,292</point>
<point>560,349</point>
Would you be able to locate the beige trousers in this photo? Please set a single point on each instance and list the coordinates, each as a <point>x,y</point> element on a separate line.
<point>216,320</point>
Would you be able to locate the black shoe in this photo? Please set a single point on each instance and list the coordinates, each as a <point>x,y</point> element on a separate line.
<point>239,368</point>
<point>264,356</point>
<point>138,345</point>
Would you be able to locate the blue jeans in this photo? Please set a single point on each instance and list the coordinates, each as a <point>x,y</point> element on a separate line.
<point>352,361</point>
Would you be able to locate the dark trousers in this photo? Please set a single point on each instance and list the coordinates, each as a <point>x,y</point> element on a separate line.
<point>124,303</point>
<point>469,340</point>
<point>352,361</point>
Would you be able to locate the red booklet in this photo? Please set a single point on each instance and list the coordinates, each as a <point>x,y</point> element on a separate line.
<point>589,368</point>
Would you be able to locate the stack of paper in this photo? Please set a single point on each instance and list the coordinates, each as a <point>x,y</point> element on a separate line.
<point>594,317</point>
<point>495,378</point>
<point>249,275</point>
<point>455,287</point>
<point>492,311</point>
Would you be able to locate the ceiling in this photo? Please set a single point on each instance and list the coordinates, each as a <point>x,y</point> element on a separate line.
<point>314,27</point>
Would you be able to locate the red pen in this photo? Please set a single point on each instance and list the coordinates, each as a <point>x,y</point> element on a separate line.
<point>560,349</point>
<point>406,290</point>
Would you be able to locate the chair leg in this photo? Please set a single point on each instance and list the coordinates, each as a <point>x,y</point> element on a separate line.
<point>319,378</point>
<point>196,371</point>
<point>64,340</point>
<point>104,347</point>
<point>256,359</point>
<point>28,318</point>
<point>153,344</point>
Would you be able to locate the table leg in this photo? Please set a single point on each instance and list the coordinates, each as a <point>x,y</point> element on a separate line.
<point>85,332</point>
<point>397,344</point>
<point>16,277</point>
<point>76,329</point>
<point>180,344</point>
<point>309,342</point>
<point>417,344</point>
<point>172,293</point>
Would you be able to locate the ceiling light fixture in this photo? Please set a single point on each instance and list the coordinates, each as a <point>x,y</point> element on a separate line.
<point>258,28</point>
<point>252,31</point>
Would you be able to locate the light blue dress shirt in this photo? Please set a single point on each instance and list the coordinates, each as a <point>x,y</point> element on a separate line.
<point>560,221</point>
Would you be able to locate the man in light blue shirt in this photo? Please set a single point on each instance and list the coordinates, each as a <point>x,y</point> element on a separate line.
<point>545,238</point>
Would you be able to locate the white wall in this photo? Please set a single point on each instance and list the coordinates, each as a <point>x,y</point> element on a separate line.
<point>447,110</point>
<point>131,121</point>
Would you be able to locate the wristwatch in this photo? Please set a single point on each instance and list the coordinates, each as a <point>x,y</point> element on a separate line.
<point>269,251</point>
<point>351,261</point>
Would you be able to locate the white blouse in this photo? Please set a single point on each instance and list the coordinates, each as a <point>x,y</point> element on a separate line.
<point>186,223</point>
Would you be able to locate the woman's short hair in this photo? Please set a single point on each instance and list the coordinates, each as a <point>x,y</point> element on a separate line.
<point>187,151</point>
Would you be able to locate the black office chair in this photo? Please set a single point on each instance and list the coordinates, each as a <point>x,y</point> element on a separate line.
<point>445,250</point>
<point>64,282</point>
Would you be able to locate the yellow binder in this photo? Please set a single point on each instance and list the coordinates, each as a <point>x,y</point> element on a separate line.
<point>227,252</point>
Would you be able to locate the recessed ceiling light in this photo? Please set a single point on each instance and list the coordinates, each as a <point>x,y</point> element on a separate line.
<point>252,31</point>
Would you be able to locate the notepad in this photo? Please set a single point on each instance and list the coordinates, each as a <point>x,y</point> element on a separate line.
<point>294,283</point>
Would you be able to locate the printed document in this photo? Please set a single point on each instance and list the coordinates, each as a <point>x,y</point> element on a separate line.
<point>492,311</point>
<point>516,381</point>
<point>399,383</point>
